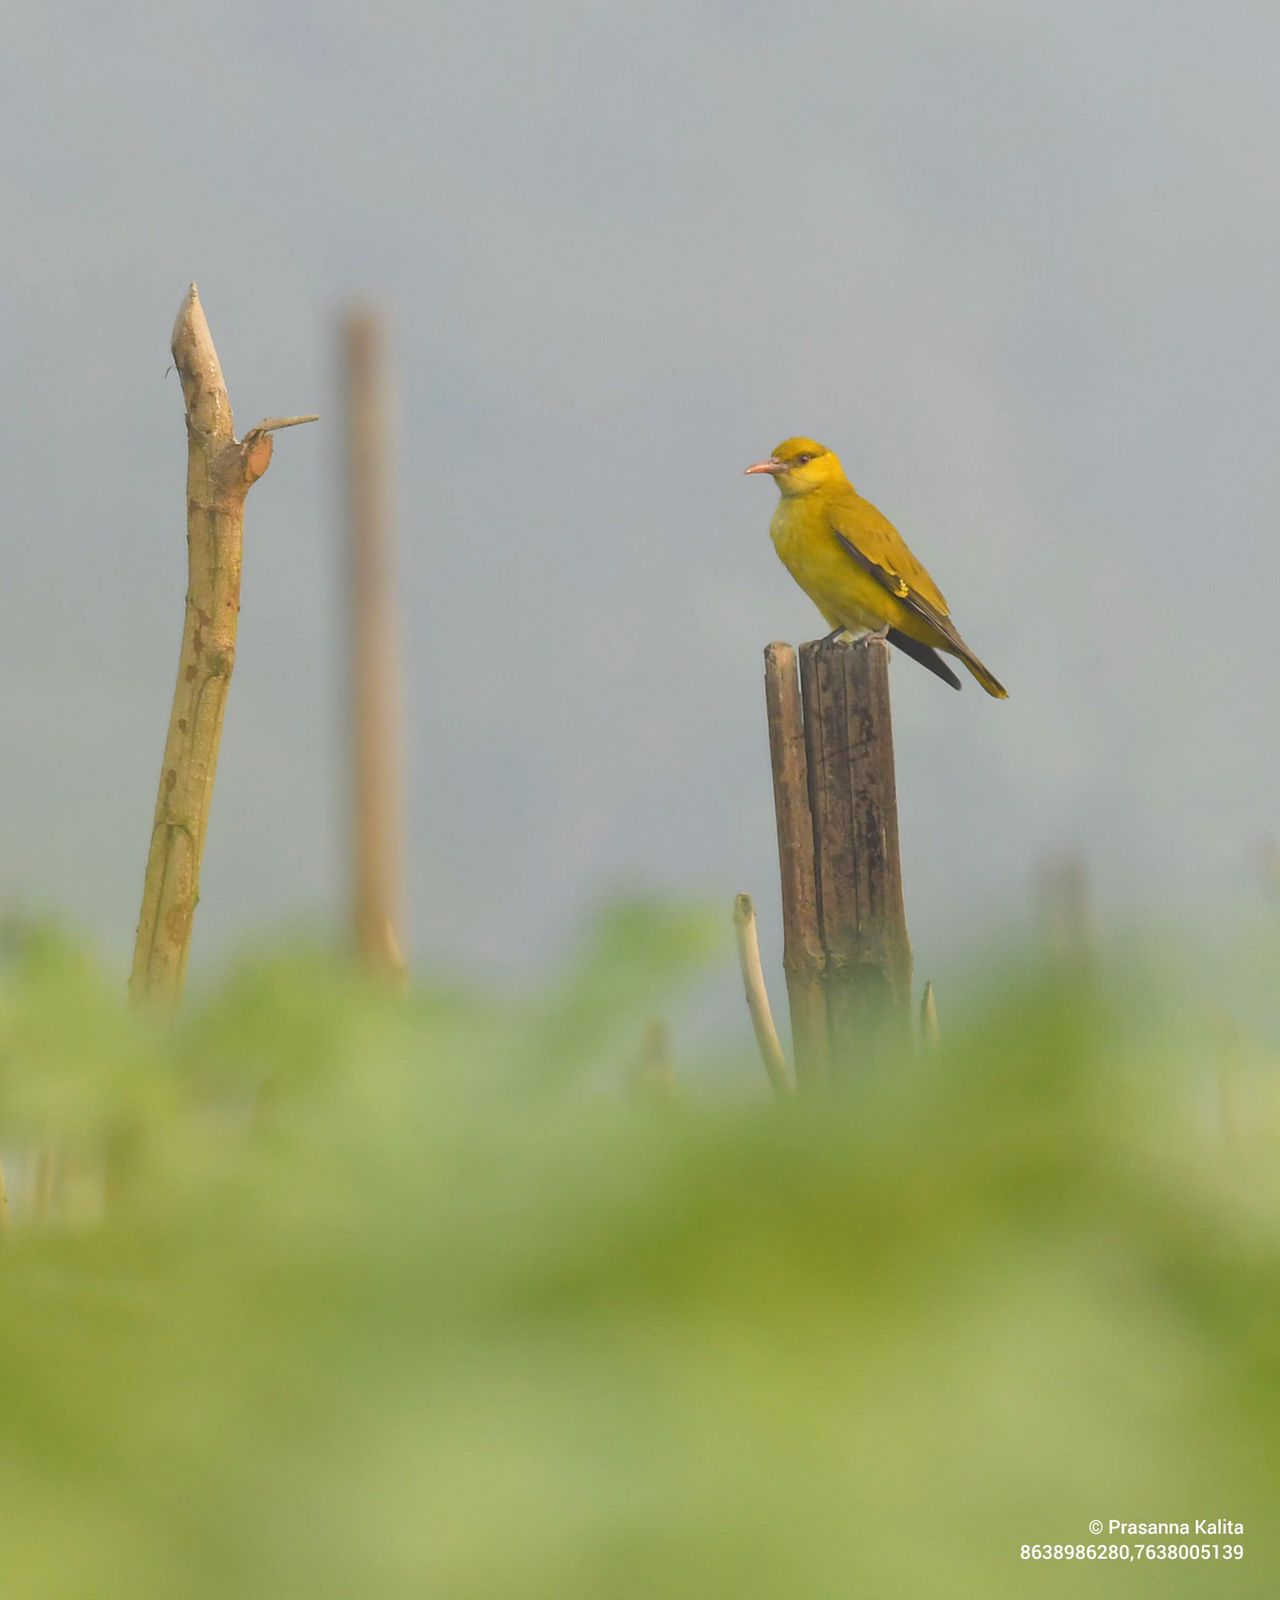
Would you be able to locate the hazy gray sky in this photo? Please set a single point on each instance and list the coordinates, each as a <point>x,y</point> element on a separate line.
<point>1015,262</point>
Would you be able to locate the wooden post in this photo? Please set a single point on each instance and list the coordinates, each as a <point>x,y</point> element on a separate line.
<point>377,836</point>
<point>803,958</point>
<point>852,934</point>
<point>221,470</point>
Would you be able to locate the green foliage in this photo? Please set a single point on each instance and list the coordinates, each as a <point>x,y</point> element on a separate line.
<point>405,1298</point>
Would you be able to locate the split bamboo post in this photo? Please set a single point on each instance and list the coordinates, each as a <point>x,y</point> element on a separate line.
<point>853,935</point>
<point>221,469</point>
<point>803,958</point>
<point>854,802</point>
<point>377,831</point>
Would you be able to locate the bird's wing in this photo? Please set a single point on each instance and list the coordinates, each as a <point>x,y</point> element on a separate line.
<point>925,654</point>
<point>879,549</point>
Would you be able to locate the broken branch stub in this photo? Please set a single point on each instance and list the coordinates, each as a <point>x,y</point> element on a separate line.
<point>221,469</point>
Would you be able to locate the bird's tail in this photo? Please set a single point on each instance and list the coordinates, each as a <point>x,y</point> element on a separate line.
<point>988,680</point>
<point>927,656</point>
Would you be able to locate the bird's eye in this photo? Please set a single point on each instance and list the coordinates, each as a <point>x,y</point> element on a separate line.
<point>804,460</point>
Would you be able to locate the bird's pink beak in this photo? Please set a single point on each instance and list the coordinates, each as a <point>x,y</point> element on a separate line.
<point>772,466</point>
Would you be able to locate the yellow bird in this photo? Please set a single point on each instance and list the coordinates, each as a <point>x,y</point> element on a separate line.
<point>854,564</point>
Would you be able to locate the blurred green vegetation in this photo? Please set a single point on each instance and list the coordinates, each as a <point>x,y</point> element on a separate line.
<point>411,1298</point>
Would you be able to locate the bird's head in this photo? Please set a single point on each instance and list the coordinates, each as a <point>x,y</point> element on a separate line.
<point>799,466</point>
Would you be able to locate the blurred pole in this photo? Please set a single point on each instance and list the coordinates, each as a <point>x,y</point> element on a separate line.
<point>1271,866</point>
<point>652,1079</point>
<point>1065,908</point>
<point>375,739</point>
<point>930,1029</point>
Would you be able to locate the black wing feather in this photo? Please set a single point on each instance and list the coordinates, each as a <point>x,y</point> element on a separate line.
<point>925,654</point>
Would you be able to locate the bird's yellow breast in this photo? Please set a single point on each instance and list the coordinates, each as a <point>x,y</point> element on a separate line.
<point>847,596</point>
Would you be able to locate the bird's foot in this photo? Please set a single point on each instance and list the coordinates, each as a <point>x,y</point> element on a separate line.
<point>856,636</point>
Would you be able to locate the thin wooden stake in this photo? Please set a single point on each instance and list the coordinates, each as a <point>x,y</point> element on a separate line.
<point>1269,858</point>
<point>44,1184</point>
<point>220,472</point>
<point>853,801</point>
<point>4,1206</point>
<point>930,1032</point>
<point>803,958</point>
<point>377,833</point>
<point>652,1079</point>
<point>775,1063</point>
